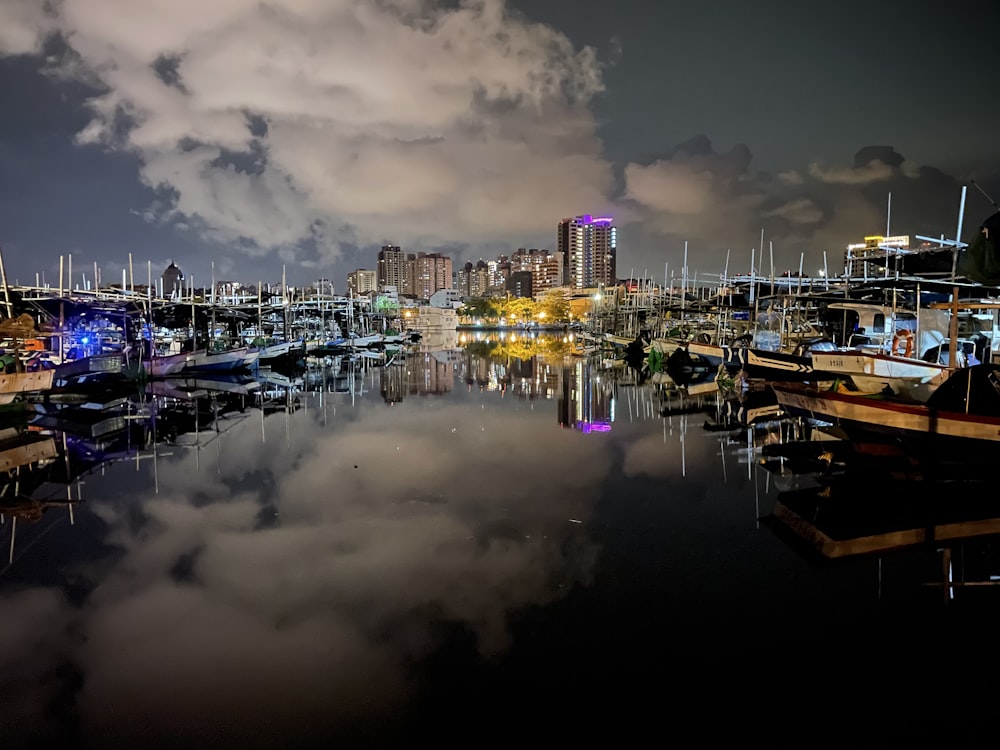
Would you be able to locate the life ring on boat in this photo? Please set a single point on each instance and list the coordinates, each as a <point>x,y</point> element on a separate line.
<point>902,343</point>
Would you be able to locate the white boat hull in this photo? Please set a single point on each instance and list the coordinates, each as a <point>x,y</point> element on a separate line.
<point>874,372</point>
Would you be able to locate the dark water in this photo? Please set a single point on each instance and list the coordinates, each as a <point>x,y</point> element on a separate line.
<point>476,551</point>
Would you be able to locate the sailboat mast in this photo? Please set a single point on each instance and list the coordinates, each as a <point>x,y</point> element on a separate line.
<point>958,236</point>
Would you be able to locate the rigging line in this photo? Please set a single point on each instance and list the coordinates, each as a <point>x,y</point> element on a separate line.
<point>985,194</point>
<point>30,544</point>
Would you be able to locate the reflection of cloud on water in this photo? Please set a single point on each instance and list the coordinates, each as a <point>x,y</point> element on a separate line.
<point>34,642</point>
<point>669,454</point>
<point>206,619</point>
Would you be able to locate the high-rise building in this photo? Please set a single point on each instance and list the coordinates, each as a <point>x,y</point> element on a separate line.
<point>546,268</point>
<point>392,267</point>
<point>589,248</point>
<point>361,281</point>
<point>431,271</point>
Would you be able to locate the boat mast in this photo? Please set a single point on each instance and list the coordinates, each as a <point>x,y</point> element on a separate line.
<point>958,236</point>
<point>6,289</point>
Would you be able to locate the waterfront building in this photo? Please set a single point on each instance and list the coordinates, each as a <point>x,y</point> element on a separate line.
<point>519,284</point>
<point>589,249</point>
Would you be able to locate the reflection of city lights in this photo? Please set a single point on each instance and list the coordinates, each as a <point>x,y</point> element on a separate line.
<point>587,427</point>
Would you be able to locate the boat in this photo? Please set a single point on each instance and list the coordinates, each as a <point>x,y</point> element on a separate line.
<point>26,382</point>
<point>959,423</point>
<point>227,360</point>
<point>268,350</point>
<point>874,372</point>
<point>756,363</point>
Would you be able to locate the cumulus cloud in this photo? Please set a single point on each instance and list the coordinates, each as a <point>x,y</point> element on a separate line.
<point>790,177</point>
<point>24,25</point>
<point>311,131</point>
<point>713,204</point>
<point>873,171</point>
<point>801,211</point>
<point>304,121</point>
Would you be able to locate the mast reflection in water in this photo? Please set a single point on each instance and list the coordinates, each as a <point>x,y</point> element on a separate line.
<point>476,545</point>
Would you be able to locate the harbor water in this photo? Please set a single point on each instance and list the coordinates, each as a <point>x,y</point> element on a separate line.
<point>477,548</point>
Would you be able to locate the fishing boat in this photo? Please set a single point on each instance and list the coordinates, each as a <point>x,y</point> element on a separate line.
<point>958,423</point>
<point>26,382</point>
<point>204,360</point>
<point>874,372</point>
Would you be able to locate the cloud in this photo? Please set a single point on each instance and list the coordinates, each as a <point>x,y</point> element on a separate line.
<point>790,177</point>
<point>35,641</point>
<point>311,132</point>
<point>711,204</point>
<point>873,171</point>
<point>286,123</point>
<point>24,26</point>
<point>801,211</point>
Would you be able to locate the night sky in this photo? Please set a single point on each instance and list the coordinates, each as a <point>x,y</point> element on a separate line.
<point>304,134</point>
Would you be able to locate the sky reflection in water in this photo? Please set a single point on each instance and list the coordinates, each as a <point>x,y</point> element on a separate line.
<point>291,576</point>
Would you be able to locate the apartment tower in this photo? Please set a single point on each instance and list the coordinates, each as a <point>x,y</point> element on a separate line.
<point>589,251</point>
<point>391,268</point>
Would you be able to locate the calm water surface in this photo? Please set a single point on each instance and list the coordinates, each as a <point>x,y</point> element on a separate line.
<point>472,549</point>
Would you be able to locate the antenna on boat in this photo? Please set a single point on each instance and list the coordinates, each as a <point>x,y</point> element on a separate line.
<point>985,194</point>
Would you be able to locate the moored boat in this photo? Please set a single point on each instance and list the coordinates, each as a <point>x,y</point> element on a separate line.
<point>959,421</point>
<point>227,360</point>
<point>874,372</point>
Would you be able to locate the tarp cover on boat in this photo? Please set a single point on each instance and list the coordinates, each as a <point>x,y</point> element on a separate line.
<point>980,382</point>
<point>980,261</point>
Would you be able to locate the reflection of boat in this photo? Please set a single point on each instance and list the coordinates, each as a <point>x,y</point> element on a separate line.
<point>685,400</point>
<point>804,457</point>
<point>77,420</point>
<point>686,367</point>
<point>20,448</point>
<point>959,423</point>
<point>854,515</point>
<point>204,384</point>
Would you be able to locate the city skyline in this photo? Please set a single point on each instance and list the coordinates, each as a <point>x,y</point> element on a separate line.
<point>302,136</point>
